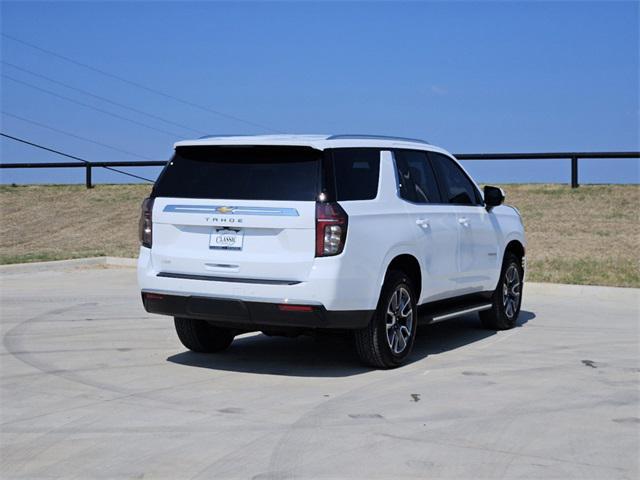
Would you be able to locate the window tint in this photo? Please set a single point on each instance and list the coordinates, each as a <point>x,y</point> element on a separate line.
<point>417,180</point>
<point>241,173</point>
<point>356,173</point>
<point>457,188</point>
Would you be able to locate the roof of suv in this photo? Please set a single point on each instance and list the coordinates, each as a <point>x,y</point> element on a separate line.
<point>315,141</point>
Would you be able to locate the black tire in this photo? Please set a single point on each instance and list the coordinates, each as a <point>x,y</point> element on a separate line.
<point>200,336</point>
<point>373,343</point>
<point>507,297</point>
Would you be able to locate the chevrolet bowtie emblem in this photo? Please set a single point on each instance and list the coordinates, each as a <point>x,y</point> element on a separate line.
<point>224,209</point>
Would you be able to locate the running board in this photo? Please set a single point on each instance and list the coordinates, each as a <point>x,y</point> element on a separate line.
<point>454,307</point>
<point>457,313</point>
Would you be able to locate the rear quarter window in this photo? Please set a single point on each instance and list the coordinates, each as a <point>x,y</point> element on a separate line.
<point>357,173</point>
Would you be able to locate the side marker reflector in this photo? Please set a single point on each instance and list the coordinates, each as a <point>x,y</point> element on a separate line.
<point>295,308</point>
<point>154,296</point>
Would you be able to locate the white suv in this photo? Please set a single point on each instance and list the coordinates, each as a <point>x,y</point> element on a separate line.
<point>287,234</point>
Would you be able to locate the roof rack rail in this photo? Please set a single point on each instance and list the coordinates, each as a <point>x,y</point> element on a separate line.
<point>375,137</point>
<point>223,135</point>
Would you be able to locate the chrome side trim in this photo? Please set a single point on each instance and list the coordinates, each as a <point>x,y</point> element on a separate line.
<point>225,210</point>
<point>211,278</point>
<point>447,316</point>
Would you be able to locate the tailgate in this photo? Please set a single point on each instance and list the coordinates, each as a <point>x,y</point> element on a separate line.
<point>268,240</point>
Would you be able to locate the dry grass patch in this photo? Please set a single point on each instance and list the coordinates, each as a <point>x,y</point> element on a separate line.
<point>590,235</point>
<point>55,222</point>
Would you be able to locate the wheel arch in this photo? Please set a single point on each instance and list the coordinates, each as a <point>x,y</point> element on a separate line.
<point>408,264</point>
<point>516,247</point>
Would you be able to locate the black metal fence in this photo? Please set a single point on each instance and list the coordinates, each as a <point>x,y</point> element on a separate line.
<point>89,166</point>
<point>572,156</point>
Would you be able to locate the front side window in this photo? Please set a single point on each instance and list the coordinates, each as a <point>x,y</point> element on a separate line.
<point>456,186</point>
<point>417,180</point>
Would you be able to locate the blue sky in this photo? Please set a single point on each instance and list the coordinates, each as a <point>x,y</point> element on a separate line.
<point>468,76</point>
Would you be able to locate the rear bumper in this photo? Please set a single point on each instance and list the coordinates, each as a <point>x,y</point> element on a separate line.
<point>332,283</point>
<point>248,315</point>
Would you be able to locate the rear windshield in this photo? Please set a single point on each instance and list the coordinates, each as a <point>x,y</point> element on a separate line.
<point>242,173</point>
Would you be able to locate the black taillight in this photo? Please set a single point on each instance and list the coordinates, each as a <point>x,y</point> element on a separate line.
<point>331,229</point>
<point>145,226</point>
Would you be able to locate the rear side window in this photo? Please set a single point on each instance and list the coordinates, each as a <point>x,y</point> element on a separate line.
<point>456,186</point>
<point>417,180</point>
<point>356,172</point>
<point>241,173</point>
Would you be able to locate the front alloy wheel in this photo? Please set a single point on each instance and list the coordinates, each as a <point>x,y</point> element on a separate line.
<point>507,297</point>
<point>511,291</point>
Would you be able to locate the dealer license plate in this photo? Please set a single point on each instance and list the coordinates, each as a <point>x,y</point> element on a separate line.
<point>226,239</point>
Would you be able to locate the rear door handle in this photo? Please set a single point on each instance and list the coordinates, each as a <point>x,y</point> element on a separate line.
<point>423,222</point>
<point>463,221</point>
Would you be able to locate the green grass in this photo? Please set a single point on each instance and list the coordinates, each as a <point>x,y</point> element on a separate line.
<point>7,259</point>
<point>613,272</point>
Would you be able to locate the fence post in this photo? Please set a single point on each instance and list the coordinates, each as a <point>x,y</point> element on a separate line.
<point>88,176</point>
<point>574,172</point>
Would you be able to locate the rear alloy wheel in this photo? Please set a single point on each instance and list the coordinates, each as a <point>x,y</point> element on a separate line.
<point>388,339</point>
<point>399,320</point>
<point>507,297</point>
<point>201,336</point>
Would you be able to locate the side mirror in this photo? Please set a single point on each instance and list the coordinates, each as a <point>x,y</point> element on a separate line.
<point>493,196</point>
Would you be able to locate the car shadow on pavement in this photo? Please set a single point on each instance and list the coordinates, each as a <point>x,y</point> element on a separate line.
<point>455,333</point>
<point>329,355</point>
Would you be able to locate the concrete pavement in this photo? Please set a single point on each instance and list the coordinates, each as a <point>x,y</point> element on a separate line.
<point>94,387</point>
